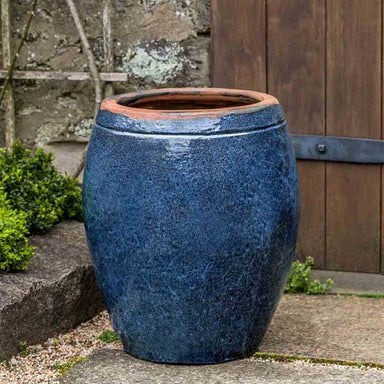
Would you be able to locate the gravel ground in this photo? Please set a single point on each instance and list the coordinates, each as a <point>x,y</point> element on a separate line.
<point>38,367</point>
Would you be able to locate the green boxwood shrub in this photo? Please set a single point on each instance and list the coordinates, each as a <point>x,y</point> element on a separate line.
<point>33,185</point>
<point>15,253</point>
<point>35,197</point>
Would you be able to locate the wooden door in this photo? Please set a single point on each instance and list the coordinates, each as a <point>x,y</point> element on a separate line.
<point>322,60</point>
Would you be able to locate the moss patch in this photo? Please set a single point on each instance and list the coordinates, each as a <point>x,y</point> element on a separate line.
<point>316,360</point>
<point>109,336</point>
<point>63,368</point>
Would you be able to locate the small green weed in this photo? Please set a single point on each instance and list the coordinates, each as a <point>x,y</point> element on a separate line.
<point>300,279</point>
<point>63,368</point>
<point>23,348</point>
<point>109,336</point>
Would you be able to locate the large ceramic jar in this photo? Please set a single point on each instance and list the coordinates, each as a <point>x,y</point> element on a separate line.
<point>191,210</point>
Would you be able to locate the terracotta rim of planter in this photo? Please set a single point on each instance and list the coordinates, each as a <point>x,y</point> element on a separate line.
<point>187,103</point>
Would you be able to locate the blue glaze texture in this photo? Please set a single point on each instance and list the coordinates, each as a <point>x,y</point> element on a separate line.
<point>192,229</point>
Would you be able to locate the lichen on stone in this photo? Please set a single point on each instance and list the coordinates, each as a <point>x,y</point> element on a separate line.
<point>183,8</point>
<point>83,128</point>
<point>47,131</point>
<point>156,42</point>
<point>157,61</point>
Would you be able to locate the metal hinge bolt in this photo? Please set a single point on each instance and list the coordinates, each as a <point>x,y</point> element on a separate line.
<point>321,148</point>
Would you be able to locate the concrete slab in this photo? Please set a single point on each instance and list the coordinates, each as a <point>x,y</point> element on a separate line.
<point>57,293</point>
<point>116,367</point>
<point>336,327</point>
<point>352,282</point>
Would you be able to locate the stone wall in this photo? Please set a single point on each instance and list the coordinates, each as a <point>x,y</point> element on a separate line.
<point>159,43</point>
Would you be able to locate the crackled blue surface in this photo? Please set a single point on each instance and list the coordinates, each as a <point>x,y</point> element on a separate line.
<point>192,227</point>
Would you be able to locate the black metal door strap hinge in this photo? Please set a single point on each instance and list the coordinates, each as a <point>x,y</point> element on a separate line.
<point>342,149</point>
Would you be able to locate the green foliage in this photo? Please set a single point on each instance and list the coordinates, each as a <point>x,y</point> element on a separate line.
<point>33,185</point>
<point>63,368</point>
<point>109,336</point>
<point>33,198</point>
<point>23,348</point>
<point>15,253</point>
<point>367,295</point>
<point>318,288</point>
<point>316,360</point>
<point>370,295</point>
<point>300,279</point>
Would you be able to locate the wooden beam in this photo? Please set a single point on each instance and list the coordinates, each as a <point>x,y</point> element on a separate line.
<point>10,132</point>
<point>108,44</point>
<point>58,75</point>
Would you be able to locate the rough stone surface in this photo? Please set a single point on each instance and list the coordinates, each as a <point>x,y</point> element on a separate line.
<point>116,367</point>
<point>158,43</point>
<point>336,327</point>
<point>67,156</point>
<point>57,293</point>
<point>352,282</point>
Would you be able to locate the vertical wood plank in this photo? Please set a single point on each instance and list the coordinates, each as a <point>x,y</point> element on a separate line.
<point>382,138</point>
<point>311,237</point>
<point>296,76</point>
<point>238,51</point>
<point>353,110</point>
<point>9,106</point>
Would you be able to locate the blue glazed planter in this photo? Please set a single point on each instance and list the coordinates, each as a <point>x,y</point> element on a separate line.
<point>191,212</point>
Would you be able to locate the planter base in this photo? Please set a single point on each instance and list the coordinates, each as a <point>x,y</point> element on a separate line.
<point>202,361</point>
